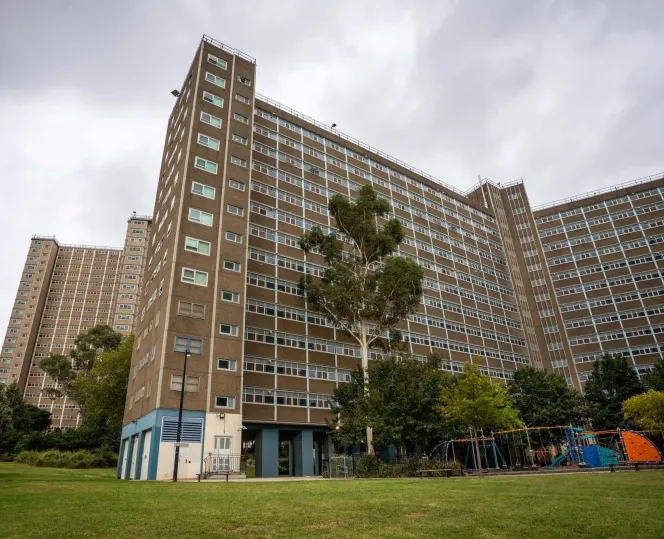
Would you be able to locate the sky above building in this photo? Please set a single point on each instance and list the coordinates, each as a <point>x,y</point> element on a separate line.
<point>564,94</point>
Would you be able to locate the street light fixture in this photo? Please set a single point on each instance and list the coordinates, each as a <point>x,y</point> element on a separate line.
<point>183,344</point>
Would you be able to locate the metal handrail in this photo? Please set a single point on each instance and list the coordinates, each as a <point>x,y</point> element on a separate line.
<point>76,246</point>
<point>348,138</point>
<point>228,49</point>
<point>575,198</point>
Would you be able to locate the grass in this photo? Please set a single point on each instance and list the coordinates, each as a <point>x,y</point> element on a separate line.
<point>42,502</point>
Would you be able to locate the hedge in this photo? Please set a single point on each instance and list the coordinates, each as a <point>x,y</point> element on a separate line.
<point>367,465</point>
<point>68,459</point>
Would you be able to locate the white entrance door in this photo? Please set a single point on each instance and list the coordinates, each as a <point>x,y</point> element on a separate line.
<point>183,461</point>
<point>125,456</point>
<point>221,456</point>
<point>134,454</point>
<point>145,461</point>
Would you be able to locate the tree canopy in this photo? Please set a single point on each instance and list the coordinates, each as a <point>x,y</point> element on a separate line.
<point>399,404</point>
<point>18,416</point>
<point>364,291</point>
<point>65,370</point>
<point>611,383</point>
<point>478,402</point>
<point>646,410</point>
<point>544,399</point>
<point>655,378</point>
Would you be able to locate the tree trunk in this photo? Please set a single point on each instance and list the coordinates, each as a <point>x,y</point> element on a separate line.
<point>365,368</point>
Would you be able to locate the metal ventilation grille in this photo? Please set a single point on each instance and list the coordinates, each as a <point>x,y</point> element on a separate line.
<point>192,430</point>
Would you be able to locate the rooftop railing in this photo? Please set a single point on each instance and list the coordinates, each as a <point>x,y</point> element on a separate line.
<point>76,246</point>
<point>610,189</point>
<point>228,49</point>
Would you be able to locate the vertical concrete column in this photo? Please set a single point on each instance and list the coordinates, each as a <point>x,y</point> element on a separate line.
<point>303,452</point>
<point>317,458</point>
<point>267,453</point>
<point>328,446</point>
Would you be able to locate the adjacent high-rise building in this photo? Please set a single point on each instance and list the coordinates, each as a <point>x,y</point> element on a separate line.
<point>64,291</point>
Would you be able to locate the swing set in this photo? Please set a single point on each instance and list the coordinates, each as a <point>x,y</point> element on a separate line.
<point>550,447</point>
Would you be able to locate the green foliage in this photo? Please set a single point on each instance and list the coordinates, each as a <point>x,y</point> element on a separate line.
<point>367,465</point>
<point>655,378</point>
<point>365,292</point>
<point>64,370</point>
<point>103,389</point>
<point>544,399</point>
<point>25,417</point>
<point>349,407</point>
<point>6,423</point>
<point>611,383</point>
<point>646,410</point>
<point>477,402</point>
<point>68,459</point>
<point>399,403</point>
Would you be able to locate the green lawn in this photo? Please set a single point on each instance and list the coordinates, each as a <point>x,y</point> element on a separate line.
<point>38,502</point>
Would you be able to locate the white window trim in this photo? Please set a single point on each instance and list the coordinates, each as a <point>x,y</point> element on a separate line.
<point>214,190</point>
<point>204,168</point>
<point>202,212</point>
<point>197,242</point>
<point>230,397</point>
<point>216,77</point>
<point>209,138</point>
<point>195,271</point>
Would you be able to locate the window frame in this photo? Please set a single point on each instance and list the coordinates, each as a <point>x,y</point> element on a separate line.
<point>196,272</point>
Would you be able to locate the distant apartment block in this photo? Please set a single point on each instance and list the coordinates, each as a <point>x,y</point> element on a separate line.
<point>64,291</point>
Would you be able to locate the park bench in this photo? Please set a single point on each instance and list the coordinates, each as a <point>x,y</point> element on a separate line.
<point>206,475</point>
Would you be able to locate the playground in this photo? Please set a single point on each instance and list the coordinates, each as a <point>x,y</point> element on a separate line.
<point>548,448</point>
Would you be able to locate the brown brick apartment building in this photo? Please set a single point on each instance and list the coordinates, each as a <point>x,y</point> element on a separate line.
<point>242,177</point>
<point>64,291</point>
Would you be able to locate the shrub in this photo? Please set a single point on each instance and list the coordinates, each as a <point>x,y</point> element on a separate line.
<point>367,465</point>
<point>68,459</point>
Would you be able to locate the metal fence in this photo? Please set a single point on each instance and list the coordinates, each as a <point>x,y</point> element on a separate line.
<point>341,467</point>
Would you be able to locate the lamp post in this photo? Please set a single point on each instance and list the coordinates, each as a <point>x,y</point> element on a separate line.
<point>178,436</point>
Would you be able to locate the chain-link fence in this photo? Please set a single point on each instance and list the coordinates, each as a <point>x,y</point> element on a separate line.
<point>340,467</point>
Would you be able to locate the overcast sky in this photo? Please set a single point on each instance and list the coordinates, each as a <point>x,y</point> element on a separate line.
<point>564,94</point>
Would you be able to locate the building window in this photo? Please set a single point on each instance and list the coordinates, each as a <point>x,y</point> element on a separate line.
<point>217,61</point>
<point>224,402</point>
<point>236,184</point>
<point>191,386</point>
<point>215,80</point>
<point>195,346</point>
<point>239,138</point>
<point>195,310</point>
<point>226,364</point>
<point>201,217</point>
<point>204,164</point>
<point>197,246</point>
<point>232,236</point>
<point>230,296</point>
<point>209,119</point>
<point>228,329</point>
<point>202,190</point>
<point>235,210</point>
<point>239,162</point>
<point>244,80</point>
<point>240,118</point>
<point>242,99</point>
<point>231,266</point>
<point>196,277</point>
<point>210,142</point>
<point>213,99</point>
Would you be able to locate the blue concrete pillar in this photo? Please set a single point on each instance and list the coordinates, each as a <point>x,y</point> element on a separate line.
<point>267,453</point>
<point>328,446</point>
<point>303,453</point>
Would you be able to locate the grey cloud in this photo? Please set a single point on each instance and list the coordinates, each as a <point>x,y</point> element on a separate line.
<point>565,94</point>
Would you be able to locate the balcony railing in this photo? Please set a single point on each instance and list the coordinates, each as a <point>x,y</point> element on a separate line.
<point>215,463</point>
